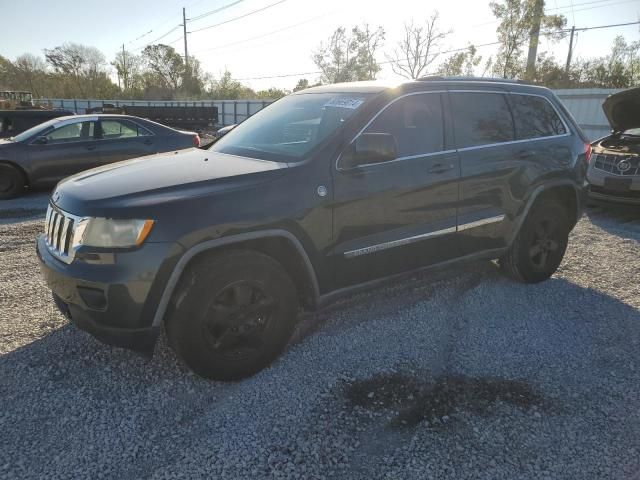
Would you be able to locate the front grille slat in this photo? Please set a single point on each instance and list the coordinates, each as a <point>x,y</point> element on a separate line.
<point>609,164</point>
<point>59,231</point>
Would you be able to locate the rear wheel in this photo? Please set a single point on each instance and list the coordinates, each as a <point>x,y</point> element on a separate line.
<point>11,182</point>
<point>539,248</point>
<point>233,315</point>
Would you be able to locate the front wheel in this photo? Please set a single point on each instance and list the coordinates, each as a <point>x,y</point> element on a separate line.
<point>233,314</point>
<point>539,247</point>
<point>11,182</point>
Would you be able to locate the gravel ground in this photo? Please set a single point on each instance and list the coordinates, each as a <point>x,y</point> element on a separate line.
<point>456,374</point>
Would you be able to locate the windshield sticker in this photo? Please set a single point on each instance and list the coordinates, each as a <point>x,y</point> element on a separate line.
<point>345,102</point>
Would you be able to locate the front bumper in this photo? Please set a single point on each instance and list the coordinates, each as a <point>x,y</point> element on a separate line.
<point>112,296</point>
<point>598,192</point>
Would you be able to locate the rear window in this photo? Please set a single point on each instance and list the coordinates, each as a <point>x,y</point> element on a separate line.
<point>481,118</point>
<point>535,117</point>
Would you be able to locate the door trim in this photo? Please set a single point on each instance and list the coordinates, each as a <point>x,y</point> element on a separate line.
<point>397,243</point>
<point>377,247</point>
<point>479,223</point>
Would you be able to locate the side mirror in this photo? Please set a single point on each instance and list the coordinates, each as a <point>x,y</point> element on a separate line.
<point>371,148</point>
<point>40,140</point>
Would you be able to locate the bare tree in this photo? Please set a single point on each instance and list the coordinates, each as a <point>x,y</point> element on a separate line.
<point>30,70</point>
<point>86,66</point>
<point>419,48</point>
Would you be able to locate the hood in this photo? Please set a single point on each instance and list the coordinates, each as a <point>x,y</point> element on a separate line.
<point>159,178</point>
<point>623,109</point>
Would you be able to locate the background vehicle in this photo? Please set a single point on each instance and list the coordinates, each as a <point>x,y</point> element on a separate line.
<point>11,100</point>
<point>325,190</point>
<point>13,122</point>
<point>48,152</point>
<point>614,172</point>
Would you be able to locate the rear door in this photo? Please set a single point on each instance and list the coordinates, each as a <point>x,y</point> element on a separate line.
<point>489,158</point>
<point>122,139</point>
<point>401,214</point>
<point>69,147</point>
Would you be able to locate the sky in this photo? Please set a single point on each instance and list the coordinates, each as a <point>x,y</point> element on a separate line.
<point>279,38</point>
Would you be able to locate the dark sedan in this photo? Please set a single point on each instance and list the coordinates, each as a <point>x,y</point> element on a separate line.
<point>51,151</point>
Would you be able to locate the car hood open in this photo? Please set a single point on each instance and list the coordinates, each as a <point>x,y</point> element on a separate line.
<point>623,109</point>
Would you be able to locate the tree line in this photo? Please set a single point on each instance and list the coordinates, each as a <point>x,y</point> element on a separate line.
<point>159,72</point>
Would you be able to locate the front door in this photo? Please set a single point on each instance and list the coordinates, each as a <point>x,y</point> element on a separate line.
<point>401,214</point>
<point>63,150</point>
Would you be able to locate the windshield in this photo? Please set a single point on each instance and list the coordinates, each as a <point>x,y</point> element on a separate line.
<point>290,128</point>
<point>34,130</point>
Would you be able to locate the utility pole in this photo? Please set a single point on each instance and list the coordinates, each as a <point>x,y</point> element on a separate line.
<point>125,73</point>
<point>570,53</point>
<point>184,24</point>
<point>533,39</point>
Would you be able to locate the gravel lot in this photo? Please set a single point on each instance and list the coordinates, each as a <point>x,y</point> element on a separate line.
<point>451,374</point>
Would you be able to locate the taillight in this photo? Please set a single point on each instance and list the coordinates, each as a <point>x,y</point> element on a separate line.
<point>587,152</point>
<point>196,141</point>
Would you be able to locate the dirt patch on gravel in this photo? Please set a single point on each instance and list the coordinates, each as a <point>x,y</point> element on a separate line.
<point>417,400</point>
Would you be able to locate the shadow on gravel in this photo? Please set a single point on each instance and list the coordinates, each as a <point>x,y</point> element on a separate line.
<point>417,400</point>
<point>615,218</point>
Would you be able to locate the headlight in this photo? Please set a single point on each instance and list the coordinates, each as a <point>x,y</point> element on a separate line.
<point>108,232</point>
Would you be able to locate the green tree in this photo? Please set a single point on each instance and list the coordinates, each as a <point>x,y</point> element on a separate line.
<point>165,68</point>
<point>461,63</point>
<point>517,17</point>
<point>227,88</point>
<point>347,57</point>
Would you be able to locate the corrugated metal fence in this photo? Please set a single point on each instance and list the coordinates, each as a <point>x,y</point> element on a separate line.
<point>584,104</point>
<point>229,111</point>
<point>586,107</point>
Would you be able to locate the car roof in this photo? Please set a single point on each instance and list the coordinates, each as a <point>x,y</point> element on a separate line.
<point>379,86</point>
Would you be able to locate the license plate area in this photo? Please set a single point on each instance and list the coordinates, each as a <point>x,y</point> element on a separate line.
<point>617,184</point>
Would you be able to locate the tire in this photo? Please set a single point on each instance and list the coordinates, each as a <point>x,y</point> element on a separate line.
<point>233,314</point>
<point>11,182</point>
<point>539,247</point>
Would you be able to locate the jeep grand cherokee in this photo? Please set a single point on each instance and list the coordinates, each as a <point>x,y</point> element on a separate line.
<point>325,190</point>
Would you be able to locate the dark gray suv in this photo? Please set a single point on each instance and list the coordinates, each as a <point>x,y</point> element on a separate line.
<point>324,191</point>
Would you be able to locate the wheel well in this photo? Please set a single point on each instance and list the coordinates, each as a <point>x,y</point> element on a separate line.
<point>566,196</point>
<point>284,252</point>
<point>18,168</point>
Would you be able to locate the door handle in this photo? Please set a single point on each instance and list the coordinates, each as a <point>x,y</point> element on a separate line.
<point>440,168</point>
<point>91,147</point>
<point>148,142</point>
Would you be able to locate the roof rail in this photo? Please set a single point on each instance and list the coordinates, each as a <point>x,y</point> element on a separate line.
<point>435,78</point>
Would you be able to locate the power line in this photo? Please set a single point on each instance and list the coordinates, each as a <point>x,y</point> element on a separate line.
<point>159,38</point>
<point>211,12</point>
<point>379,63</point>
<point>239,17</point>
<point>289,27</point>
<point>583,29</point>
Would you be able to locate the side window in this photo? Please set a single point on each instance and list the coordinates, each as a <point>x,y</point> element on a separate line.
<point>535,117</point>
<point>481,119</point>
<point>122,129</point>
<point>73,132</point>
<point>416,123</point>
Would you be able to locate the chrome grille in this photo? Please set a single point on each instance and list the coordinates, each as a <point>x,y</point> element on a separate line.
<point>59,229</point>
<point>609,163</point>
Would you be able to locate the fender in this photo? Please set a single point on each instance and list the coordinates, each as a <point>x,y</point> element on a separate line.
<point>224,241</point>
<point>535,194</point>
